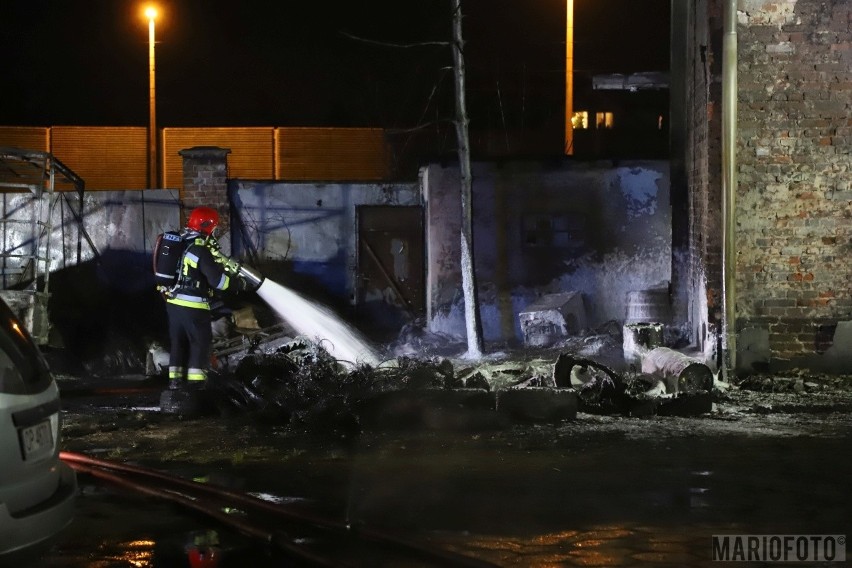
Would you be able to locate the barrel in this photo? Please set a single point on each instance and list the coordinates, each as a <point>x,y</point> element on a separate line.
<point>638,339</point>
<point>648,306</point>
<point>681,372</point>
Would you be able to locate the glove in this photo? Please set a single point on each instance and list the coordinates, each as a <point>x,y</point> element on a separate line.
<point>232,265</point>
<point>242,284</point>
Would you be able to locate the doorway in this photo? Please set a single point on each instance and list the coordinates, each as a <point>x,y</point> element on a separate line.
<point>390,269</point>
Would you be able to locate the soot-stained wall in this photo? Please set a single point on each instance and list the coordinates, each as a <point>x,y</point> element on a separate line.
<point>600,228</point>
<point>112,220</point>
<point>305,234</point>
<point>103,307</point>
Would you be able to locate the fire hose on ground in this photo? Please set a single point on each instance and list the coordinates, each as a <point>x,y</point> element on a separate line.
<point>211,500</point>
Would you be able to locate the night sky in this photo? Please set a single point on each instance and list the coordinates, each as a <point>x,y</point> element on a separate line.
<point>289,63</point>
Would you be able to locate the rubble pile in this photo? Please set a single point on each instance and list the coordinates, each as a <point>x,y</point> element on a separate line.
<point>794,392</point>
<point>299,384</point>
<point>661,388</point>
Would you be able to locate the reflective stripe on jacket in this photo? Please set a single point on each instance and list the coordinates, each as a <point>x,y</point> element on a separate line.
<point>201,272</point>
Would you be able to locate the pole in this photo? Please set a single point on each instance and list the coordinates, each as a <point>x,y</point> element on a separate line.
<point>729,183</point>
<point>569,77</point>
<point>152,110</point>
<point>473,322</point>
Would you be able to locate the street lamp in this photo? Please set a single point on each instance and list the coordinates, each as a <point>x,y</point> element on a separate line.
<point>569,77</point>
<point>151,14</point>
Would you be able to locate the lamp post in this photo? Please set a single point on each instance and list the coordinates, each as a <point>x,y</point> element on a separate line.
<point>151,14</point>
<point>569,77</point>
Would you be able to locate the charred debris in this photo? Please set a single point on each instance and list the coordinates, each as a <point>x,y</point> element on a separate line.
<point>297,383</point>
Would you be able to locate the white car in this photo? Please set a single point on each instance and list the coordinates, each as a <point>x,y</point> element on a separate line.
<point>37,489</point>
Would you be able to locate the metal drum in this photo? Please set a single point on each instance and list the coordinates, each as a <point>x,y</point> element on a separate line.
<point>648,306</point>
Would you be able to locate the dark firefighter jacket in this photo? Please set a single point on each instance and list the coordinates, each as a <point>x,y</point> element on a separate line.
<point>203,269</point>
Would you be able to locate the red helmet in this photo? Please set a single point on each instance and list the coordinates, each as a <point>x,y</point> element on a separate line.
<point>203,220</point>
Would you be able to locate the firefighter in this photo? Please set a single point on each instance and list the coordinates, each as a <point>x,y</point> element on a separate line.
<point>202,271</point>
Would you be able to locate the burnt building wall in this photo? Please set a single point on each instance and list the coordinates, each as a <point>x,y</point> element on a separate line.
<point>306,235</point>
<point>703,171</point>
<point>601,228</point>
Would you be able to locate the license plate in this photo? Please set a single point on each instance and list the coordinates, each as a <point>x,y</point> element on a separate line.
<point>37,440</point>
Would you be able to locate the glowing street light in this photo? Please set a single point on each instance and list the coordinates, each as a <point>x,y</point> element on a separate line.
<point>569,77</point>
<point>151,14</point>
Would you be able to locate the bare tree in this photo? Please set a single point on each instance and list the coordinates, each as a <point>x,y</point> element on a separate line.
<point>473,323</point>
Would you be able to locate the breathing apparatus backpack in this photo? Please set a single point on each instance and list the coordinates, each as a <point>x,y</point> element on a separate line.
<point>168,252</point>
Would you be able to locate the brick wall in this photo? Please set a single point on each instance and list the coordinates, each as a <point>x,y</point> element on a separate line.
<point>794,156</point>
<point>205,182</point>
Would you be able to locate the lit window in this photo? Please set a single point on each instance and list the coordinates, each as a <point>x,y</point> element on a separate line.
<point>603,120</point>
<point>580,120</point>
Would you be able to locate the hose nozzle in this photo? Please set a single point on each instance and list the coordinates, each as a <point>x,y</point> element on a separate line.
<point>252,277</point>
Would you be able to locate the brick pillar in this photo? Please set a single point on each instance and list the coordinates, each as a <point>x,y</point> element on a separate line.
<point>205,182</point>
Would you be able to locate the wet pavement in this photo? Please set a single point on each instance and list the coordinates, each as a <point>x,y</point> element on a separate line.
<point>599,490</point>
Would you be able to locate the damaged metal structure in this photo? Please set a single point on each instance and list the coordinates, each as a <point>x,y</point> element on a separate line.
<point>37,189</point>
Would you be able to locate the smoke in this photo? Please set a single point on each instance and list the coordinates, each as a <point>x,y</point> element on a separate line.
<point>318,323</point>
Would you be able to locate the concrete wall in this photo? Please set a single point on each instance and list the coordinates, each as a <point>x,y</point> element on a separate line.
<point>105,306</point>
<point>307,230</point>
<point>794,156</point>
<point>303,235</point>
<point>602,228</point>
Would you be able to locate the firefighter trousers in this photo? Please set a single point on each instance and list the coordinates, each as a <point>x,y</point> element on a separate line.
<point>191,340</point>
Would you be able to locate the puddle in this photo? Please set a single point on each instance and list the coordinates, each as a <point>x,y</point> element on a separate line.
<point>598,491</point>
